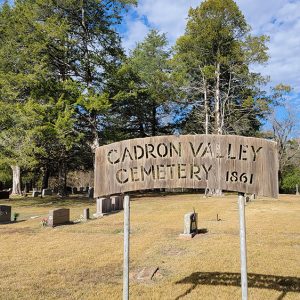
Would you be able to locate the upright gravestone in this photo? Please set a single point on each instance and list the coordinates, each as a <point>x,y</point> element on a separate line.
<point>190,228</point>
<point>4,194</point>
<point>35,194</point>
<point>59,216</point>
<point>103,207</point>
<point>46,192</point>
<point>116,203</point>
<point>91,193</point>
<point>297,190</point>
<point>5,213</point>
<point>74,190</point>
<point>86,213</point>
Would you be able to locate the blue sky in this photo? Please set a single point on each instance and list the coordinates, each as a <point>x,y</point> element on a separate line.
<point>279,19</point>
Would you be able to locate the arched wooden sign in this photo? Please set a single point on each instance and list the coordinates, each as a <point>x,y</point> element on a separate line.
<point>233,163</point>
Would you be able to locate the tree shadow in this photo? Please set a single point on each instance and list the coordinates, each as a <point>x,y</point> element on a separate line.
<point>279,283</point>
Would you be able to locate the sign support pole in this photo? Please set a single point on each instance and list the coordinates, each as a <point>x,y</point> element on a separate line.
<point>244,281</point>
<point>126,247</point>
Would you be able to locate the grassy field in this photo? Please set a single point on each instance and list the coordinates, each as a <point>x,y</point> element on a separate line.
<point>84,260</point>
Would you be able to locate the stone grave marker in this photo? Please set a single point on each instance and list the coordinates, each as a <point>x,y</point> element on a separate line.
<point>116,203</point>
<point>74,190</point>
<point>103,207</point>
<point>190,225</point>
<point>91,193</point>
<point>35,194</point>
<point>46,192</point>
<point>86,213</point>
<point>59,216</point>
<point>5,213</point>
<point>4,194</point>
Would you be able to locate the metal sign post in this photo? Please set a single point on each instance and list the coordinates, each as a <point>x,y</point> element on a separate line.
<point>126,247</point>
<point>244,281</point>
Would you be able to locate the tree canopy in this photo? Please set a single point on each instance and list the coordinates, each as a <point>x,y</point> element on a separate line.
<point>67,85</point>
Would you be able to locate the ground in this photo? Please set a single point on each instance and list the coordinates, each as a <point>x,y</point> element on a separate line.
<point>84,260</point>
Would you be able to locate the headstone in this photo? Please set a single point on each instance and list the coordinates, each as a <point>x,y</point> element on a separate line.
<point>253,197</point>
<point>69,189</point>
<point>103,207</point>
<point>59,216</point>
<point>91,193</point>
<point>247,198</point>
<point>86,189</point>
<point>4,194</point>
<point>86,213</point>
<point>190,225</point>
<point>5,213</point>
<point>116,203</point>
<point>46,192</point>
<point>35,194</point>
<point>81,189</point>
<point>74,190</point>
<point>297,190</point>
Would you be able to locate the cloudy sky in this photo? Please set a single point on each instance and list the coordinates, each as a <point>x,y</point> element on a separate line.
<point>280,19</point>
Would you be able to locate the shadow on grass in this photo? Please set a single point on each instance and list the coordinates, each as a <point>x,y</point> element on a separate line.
<point>279,283</point>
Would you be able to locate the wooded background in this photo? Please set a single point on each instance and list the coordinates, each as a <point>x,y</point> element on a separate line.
<point>67,86</point>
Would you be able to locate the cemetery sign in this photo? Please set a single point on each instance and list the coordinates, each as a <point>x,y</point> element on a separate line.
<point>226,162</point>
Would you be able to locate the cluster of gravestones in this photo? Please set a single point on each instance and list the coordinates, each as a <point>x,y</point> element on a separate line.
<point>61,216</point>
<point>108,205</point>
<point>49,192</point>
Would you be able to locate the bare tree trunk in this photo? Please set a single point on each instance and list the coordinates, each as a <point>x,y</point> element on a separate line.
<point>218,126</point>
<point>16,188</point>
<point>62,180</point>
<point>218,129</point>
<point>45,179</point>
<point>154,121</point>
<point>205,107</point>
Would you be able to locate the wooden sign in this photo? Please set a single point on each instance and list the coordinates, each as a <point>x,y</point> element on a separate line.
<point>232,163</point>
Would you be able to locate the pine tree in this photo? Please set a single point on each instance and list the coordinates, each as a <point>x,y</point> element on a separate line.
<point>212,62</point>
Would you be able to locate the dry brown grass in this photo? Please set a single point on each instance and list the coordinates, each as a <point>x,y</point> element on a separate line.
<point>84,261</point>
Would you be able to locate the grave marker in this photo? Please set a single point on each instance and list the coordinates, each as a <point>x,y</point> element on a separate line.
<point>4,195</point>
<point>190,228</point>
<point>46,192</point>
<point>116,203</point>
<point>86,213</point>
<point>35,194</point>
<point>59,216</point>
<point>5,213</point>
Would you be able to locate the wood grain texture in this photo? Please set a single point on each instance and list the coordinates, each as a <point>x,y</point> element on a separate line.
<point>232,163</point>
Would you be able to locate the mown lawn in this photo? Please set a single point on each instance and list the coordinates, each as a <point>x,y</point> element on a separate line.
<point>84,260</point>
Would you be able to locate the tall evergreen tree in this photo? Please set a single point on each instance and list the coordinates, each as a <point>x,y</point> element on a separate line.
<point>54,59</point>
<point>142,89</point>
<point>212,62</point>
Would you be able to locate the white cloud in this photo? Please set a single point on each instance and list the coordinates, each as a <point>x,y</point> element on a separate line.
<point>280,19</point>
<point>136,31</point>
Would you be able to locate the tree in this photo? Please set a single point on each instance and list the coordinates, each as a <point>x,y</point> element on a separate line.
<point>142,90</point>
<point>211,63</point>
<point>54,60</point>
<point>282,128</point>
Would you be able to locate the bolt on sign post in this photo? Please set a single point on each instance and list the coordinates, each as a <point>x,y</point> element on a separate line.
<point>224,162</point>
